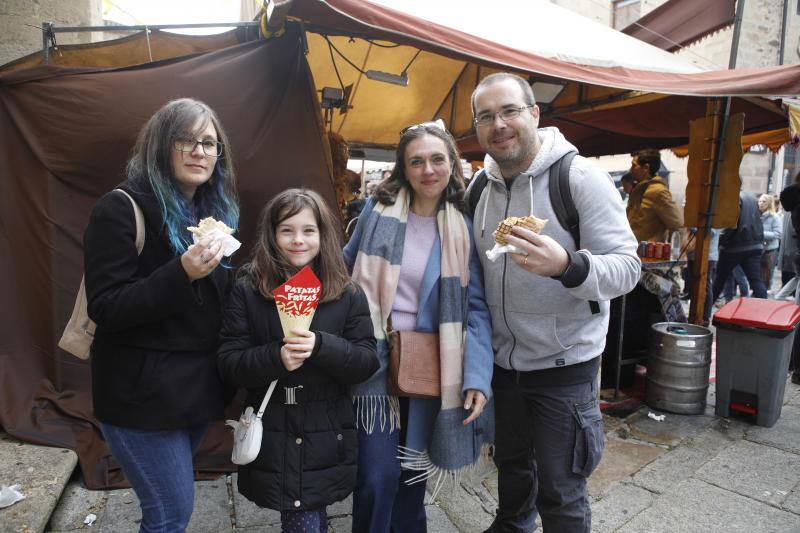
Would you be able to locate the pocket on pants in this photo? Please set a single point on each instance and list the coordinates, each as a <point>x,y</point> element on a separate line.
<point>589,438</point>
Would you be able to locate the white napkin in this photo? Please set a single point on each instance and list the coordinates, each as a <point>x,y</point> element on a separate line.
<point>500,249</point>
<point>10,495</point>
<point>229,242</point>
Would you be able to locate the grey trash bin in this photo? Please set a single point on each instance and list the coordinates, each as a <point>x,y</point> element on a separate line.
<point>754,343</point>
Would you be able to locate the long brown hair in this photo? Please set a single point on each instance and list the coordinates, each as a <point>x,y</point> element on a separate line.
<point>386,192</point>
<point>268,269</point>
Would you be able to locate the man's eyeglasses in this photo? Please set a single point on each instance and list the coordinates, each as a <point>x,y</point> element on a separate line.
<point>509,113</point>
<point>438,123</point>
<point>210,147</point>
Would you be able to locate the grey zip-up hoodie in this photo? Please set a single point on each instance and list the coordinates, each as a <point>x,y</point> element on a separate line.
<point>540,322</point>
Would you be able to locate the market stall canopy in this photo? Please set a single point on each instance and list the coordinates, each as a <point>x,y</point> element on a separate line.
<point>678,23</point>
<point>610,92</point>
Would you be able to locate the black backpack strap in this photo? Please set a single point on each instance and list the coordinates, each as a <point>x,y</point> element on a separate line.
<point>564,205</point>
<point>561,197</point>
<point>479,182</point>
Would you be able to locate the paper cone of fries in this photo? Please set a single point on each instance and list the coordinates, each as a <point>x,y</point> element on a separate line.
<point>297,300</point>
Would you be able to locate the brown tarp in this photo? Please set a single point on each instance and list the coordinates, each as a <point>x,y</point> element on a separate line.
<point>134,49</point>
<point>64,140</point>
<point>681,22</point>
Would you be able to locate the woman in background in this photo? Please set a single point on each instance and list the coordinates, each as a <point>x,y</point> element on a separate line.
<point>772,237</point>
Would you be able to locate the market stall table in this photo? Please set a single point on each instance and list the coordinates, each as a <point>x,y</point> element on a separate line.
<point>615,356</point>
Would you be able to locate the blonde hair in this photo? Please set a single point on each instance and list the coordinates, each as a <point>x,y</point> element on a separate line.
<point>770,203</point>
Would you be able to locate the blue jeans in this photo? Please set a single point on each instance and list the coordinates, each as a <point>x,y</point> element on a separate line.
<point>711,274</point>
<point>158,465</point>
<point>750,262</point>
<point>737,279</point>
<point>382,501</point>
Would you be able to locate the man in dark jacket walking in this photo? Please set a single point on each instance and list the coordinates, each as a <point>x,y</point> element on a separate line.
<point>742,245</point>
<point>790,200</point>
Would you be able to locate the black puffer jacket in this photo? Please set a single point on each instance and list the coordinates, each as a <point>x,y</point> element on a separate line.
<point>308,451</point>
<point>154,350</point>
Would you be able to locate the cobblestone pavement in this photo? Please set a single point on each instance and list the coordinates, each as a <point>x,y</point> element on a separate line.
<point>697,473</point>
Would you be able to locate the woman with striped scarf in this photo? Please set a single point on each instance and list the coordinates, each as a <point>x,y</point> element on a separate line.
<point>413,254</point>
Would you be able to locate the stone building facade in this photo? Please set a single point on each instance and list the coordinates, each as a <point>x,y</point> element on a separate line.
<point>759,46</point>
<point>21,20</point>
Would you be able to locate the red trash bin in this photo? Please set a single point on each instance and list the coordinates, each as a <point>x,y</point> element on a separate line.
<point>754,344</point>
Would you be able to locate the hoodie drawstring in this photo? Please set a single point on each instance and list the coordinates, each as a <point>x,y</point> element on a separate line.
<point>485,207</point>
<point>530,189</point>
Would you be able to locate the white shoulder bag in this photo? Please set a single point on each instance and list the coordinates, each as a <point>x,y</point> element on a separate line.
<point>247,431</point>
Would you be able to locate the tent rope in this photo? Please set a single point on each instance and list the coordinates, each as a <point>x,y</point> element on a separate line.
<point>147,37</point>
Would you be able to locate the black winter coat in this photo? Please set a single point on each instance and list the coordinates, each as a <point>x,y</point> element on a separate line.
<point>308,451</point>
<point>790,200</point>
<point>154,351</point>
<point>748,235</point>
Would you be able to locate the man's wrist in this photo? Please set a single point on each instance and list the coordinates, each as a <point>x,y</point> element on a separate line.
<point>576,272</point>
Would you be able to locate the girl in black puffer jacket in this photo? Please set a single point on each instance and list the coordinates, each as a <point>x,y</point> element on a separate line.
<point>308,452</point>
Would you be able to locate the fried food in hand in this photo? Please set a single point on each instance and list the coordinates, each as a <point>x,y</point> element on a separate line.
<point>207,226</point>
<point>504,227</point>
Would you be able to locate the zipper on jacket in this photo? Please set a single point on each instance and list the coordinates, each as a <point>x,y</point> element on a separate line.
<point>505,266</point>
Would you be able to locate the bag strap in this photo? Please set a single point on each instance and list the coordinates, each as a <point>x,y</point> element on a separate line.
<point>564,205</point>
<point>266,399</point>
<point>476,190</point>
<point>139,217</point>
<point>561,197</point>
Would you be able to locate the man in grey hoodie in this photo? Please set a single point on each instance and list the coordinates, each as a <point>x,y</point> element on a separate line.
<point>547,337</point>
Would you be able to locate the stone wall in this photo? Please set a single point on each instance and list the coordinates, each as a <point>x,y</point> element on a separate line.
<point>17,36</point>
<point>649,5</point>
<point>597,10</point>
<point>792,52</point>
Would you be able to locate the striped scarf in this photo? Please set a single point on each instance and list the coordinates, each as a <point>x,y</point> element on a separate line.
<point>436,440</point>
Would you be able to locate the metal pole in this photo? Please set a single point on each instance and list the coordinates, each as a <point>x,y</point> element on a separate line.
<point>141,27</point>
<point>737,30</point>
<point>784,24</point>
<point>620,340</point>
<point>46,28</point>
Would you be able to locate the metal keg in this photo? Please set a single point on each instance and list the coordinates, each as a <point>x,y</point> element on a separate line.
<point>678,368</point>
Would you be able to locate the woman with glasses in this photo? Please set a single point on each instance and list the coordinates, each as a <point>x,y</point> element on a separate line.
<point>155,384</point>
<point>412,252</point>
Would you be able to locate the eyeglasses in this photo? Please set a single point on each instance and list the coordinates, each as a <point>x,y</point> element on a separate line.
<point>438,123</point>
<point>210,147</point>
<point>509,113</point>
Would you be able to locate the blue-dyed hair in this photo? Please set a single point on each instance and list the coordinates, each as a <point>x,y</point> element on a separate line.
<point>151,162</point>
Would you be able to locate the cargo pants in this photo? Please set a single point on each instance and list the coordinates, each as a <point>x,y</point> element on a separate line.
<point>548,441</point>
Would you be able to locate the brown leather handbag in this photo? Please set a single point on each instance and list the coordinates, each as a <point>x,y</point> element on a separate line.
<point>414,364</point>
